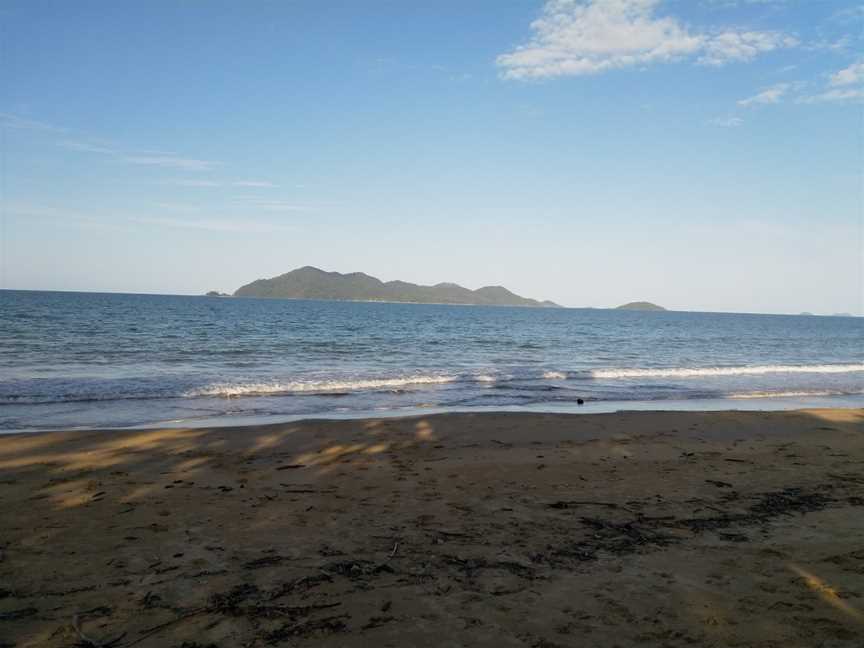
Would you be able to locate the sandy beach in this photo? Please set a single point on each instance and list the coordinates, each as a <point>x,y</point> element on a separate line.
<point>541,530</point>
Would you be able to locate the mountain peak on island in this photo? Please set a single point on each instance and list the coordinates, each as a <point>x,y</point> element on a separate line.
<point>640,306</point>
<point>310,282</point>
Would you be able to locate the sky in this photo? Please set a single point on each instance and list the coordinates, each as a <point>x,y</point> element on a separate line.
<point>700,154</point>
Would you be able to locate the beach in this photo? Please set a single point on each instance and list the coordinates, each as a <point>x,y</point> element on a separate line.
<point>486,529</point>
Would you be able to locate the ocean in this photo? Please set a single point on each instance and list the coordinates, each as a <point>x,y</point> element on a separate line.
<point>81,360</point>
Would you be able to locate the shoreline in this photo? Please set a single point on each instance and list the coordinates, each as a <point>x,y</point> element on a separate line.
<point>485,529</point>
<point>760,404</point>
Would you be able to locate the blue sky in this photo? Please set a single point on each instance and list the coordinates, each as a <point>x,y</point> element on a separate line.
<point>703,154</point>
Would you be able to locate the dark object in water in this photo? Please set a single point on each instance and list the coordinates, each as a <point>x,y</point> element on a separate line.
<point>579,401</point>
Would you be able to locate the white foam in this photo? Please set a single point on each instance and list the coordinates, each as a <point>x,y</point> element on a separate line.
<point>228,390</point>
<point>790,394</point>
<point>695,372</point>
<point>485,378</point>
<point>555,375</point>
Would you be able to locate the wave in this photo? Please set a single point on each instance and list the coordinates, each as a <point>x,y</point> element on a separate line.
<point>228,390</point>
<point>486,378</point>
<point>555,375</point>
<point>696,372</point>
<point>46,391</point>
<point>793,394</point>
<point>96,391</point>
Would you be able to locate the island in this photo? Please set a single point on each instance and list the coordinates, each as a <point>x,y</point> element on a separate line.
<point>216,293</point>
<point>641,306</point>
<point>313,283</point>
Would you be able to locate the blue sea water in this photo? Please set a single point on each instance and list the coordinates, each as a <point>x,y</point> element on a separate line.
<point>116,360</point>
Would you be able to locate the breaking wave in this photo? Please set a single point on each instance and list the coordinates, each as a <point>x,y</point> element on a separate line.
<point>39,391</point>
<point>695,372</point>
<point>793,394</point>
<point>228,390</point>
<point>555,375</point>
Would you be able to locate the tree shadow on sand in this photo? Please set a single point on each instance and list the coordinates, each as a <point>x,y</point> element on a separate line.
<point>477,529</point>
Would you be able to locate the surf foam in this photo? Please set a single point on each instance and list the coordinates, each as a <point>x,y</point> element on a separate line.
<point>696,372</point>
<point>228,390</point>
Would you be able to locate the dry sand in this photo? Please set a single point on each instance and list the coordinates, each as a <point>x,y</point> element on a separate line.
<point>631,529</point>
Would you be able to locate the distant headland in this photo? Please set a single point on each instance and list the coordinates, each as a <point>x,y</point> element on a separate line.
<point>313,283</point>
<point>641,306</point>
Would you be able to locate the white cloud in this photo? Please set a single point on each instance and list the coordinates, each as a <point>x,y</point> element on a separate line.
<point>770,95</point>
<point>573,38</point>
<point>851,75</point>
<point>731,4</point>
<point>740,47</point>
<point>195,183</point>
<point>577,37</point>
<point>841,43</point>
<point>254,183</point>
<point>727,122</point>
<point>841,87</point>
<point>171,162</point>
<point>838,95</point>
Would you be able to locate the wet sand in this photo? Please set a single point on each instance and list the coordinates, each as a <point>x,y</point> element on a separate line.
<point>632,529</point>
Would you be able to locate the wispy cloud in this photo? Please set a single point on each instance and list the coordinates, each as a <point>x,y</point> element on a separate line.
<point>86,144</point>
<point>195,183</point>
<point>770,95</point>
<point>837,95</point>
<point>87,147</point>
<point>63,217</point>
<point>8,120</point>
<point>729,4</point>
<point>179,216</point>
<point>849,14</point>
<point>39,211</point>
<point>578,37</point>
<point>275,205</point>
<point>178,207</point>
<point>837,44</point>
<point>171,162</point>
<point>854,74</point>
<point>846,85</point>
<point>726,122</point>
<point>740,47</point>
<point>246,226</point>
<point>264,184</point>
<point>249,184</point>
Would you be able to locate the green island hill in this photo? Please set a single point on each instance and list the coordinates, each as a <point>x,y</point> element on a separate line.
<point>312,283</point>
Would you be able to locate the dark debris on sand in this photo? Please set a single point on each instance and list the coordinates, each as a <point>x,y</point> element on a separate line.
<point>313,605</point>
<point>617,536</point>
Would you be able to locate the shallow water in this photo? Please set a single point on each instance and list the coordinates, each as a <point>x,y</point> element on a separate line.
<point>113,360</point>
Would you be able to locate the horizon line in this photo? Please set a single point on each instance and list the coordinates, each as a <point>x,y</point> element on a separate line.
<point>372,301</point>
